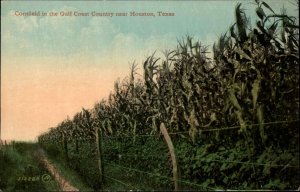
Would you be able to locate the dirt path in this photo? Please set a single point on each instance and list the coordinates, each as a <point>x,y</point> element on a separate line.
<point>63,183</point>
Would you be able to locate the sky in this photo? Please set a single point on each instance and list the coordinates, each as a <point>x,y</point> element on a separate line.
<point>53,66</point>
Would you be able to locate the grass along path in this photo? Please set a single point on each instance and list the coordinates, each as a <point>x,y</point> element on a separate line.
<point>21,170</point>
<point>63,183</point>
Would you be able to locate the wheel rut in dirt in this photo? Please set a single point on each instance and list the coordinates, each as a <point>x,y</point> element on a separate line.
<point>63,183</point>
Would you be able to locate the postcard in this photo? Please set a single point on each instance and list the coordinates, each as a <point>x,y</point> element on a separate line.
<point>166,95</point>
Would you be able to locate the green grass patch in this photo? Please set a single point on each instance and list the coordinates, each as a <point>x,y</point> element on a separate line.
<point>70,175</point>
<point>20,171</point>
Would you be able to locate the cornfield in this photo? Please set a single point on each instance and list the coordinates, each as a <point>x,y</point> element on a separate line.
<point>240,106</point>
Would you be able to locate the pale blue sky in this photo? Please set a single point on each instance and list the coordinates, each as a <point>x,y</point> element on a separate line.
<point>205,20</point>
